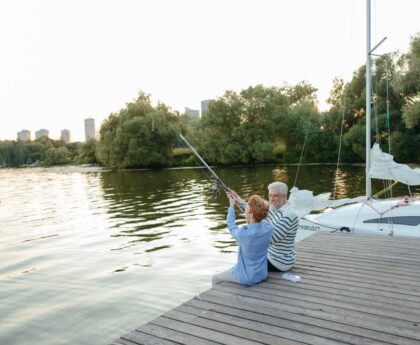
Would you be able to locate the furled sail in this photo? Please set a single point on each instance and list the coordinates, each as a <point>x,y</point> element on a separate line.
<point>304,202</point>
<point>382,166</point>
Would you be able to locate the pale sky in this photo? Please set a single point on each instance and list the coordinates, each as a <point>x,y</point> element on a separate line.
<point>62,61</point>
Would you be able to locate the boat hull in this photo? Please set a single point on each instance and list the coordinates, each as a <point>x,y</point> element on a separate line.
<point>395,217</point>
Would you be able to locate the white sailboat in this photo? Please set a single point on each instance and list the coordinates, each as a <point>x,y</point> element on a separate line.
<point>395,216</point>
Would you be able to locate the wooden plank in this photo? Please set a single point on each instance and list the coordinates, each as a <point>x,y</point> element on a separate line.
<point>331,257</point>
<point>223,336</point>
<point>354,239</point>
<point>159,330</point>
<point>394,334</point>
<point>367,299</point>
<point>350,290</point>
<point>336,302</point>
<point>355,289</point>
<point>342,237</point>
<point>310,266</point>
<point>367,252</point>
<point>137,337</point>
<point>399,327</point>
<point>363,251</point>
<point>350,245</point>
<point>400,278</point>
<point>373,329</point>
<point>310,326</point>
<point>239,328</point>
<point>373,247</point>
<point>327,276</point>
<point>361,275</point>
<point>380,265</point>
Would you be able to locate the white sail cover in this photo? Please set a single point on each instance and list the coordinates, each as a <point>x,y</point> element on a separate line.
<point>304,202</point>
<point>383,167</point>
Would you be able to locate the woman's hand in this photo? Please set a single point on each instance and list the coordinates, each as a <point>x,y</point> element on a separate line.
<point>238,200</point>
<point>231,198</point>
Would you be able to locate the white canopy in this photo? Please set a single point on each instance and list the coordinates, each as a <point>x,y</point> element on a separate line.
<point>383,167</point>
<point>304,202</point>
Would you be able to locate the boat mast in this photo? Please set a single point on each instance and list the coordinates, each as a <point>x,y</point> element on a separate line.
<point>368,109</point>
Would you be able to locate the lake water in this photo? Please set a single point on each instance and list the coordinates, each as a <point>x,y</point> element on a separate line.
<point>87,255</point>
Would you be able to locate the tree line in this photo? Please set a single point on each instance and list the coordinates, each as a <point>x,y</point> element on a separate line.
<point>260,124</point>
<point>46,152</point>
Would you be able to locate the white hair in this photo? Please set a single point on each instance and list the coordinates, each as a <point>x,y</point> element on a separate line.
<point>279,186</point>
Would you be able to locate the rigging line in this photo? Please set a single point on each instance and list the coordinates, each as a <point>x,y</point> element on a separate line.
<point>375,102</point>
<point>409,192</point>
<point>341,139</point>
<point>387,106</point>
<point>303,147</point>
<point>390,194</point>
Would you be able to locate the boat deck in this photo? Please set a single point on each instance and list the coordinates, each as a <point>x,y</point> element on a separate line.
<point>355,289</point>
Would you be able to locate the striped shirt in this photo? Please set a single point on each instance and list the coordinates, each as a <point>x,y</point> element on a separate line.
<point>281,251</point>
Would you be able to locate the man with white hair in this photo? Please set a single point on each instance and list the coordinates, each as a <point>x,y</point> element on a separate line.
<point>281,251</point>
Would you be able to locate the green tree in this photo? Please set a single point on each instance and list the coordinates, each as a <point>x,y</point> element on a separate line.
<point>140,135</point>
<point>411,114</point>
<point>87,152</point>
<point>408,84</point>
<point>57,156</point>
<point>241,128</point>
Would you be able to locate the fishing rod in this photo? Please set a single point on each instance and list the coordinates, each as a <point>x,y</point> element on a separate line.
<point>215,189</point>
<point>219,180</point>
<point>220,184</point>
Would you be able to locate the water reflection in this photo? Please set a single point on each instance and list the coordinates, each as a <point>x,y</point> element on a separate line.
<point>147,207</point>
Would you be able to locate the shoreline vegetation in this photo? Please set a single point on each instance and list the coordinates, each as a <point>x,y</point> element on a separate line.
<point>257,126</point>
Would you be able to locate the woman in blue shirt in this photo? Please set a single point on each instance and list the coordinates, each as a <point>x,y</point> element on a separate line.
<point>253,239</point>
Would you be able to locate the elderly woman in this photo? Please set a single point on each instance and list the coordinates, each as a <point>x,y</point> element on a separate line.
<point>253,239</point>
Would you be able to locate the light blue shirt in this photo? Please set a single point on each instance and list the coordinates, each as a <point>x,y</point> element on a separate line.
<point>253,240</point>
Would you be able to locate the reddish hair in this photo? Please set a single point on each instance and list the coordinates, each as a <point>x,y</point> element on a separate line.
<point>258,207</point>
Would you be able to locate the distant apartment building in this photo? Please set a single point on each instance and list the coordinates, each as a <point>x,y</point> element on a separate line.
<point>65,136</point>
<point>24,135</point>
<point>192,112</point>
<point>205,106</point>
<point>42,133</point>
<point>90,129</point>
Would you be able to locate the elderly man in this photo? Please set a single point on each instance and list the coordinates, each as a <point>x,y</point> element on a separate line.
<point>281,251</point>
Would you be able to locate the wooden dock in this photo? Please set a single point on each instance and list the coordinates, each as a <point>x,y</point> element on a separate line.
<point>355,289</point>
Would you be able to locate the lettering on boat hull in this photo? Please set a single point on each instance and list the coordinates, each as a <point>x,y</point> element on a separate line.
<point>313,228</point>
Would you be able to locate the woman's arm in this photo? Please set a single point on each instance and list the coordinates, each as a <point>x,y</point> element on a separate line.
<point>230,219</point>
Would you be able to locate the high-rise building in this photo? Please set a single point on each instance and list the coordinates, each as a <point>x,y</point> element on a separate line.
<point>192,112</point>
<point>90,129</point>
<point>65,136</point>
<point>42,133</point>
<point>24,135</point>
<point>204,106</point>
